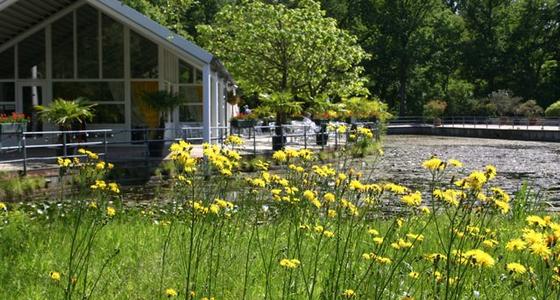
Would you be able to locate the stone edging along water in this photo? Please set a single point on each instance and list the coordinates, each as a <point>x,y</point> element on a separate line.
<point>490,133</point>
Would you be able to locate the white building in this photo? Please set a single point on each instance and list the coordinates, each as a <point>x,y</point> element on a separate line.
<point>111,54</point>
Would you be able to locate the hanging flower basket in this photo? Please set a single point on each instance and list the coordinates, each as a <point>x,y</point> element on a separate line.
<point>233,99</point>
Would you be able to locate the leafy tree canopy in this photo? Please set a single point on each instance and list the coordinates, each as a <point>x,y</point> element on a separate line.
<point>276,48</point>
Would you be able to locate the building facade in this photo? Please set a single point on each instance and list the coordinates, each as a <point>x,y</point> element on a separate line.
<point>112,55</point>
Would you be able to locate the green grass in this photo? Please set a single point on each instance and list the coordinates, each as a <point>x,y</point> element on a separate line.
<point>31,248</point>
<point>319,217</point>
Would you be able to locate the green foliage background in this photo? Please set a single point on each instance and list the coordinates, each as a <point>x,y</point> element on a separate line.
<point>457,51</point>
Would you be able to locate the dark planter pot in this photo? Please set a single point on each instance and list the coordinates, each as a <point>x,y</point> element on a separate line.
<point>278,142</point>
<point>155,148</point>
<point>322,138</point>
<point>533,121</point>
<point>243,123</point>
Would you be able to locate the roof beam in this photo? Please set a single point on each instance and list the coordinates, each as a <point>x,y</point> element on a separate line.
<point>30,31</point>
<point>6,3</point>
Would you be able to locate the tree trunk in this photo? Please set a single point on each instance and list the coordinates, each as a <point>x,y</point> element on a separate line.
<point>402,92</point>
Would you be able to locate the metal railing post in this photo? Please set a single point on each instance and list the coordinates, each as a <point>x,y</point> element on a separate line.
<point>304,136</point>
<point>64,150</point>
<point>105,143</point>
<point>24,145</point>
<point>336,139</point>
<point>146,147</point>
<point>254,141</point>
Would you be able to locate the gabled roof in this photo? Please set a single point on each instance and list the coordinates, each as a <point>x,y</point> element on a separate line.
<point>18,16</point>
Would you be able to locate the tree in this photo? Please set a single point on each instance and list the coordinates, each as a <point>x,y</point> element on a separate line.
<point>395,33</point>
<point>485,57</point>
<point>170,13</point>
<point>274,48</point>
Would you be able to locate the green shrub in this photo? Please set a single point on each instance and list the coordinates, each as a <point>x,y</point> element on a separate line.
<point>553,110</point>
<point>529,109</point>
<point>434,108</point>
<point>504,101</point>
<point>15,187</point>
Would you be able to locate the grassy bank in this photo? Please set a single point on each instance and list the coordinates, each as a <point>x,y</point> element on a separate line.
<point>312,231</point>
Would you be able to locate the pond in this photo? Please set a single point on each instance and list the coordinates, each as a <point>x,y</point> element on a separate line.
<point>537,163</point>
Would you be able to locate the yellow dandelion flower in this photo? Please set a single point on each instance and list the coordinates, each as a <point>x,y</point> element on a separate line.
<point>489,243</point>
<point>234,140</point>
<point>261,165</point>
<point>536,221</point>
<point>415,237</point>
<point>435,257</point>
<point>455,163</point>
<point>413,199</point>
<point>111,212</point>
<point>3,206</point>
<point>490,172</point>
<point>280,156</point>
<point>540,249</point>
<point>395,188</point>
<point>169,293</point>
<point>214,208</point>
<point>425,210</point>
<point>113,187</point>
<point>329,197</point>
<point>290,263</point>
<point>100,165</point>
<point>434,164</point>
<point>401,244</point>
<point>516,268</point>
<point>503,206</point>
<point>55,276</point>
<point>373,231</point>
<point>414,275</point>
<point>532,237</point>
<point>349,294</point>
<point>378,240</point>
<point>328,234</point>
<point>331,213</point>
<point>479,258</point>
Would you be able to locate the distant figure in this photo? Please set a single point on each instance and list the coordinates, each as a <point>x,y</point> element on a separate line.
<point>309,124</point>
<point>246,109</point>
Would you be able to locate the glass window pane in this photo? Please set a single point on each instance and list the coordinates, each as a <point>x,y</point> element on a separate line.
<point>88,34</point>
<point>108,114</point>
<point>31,56</point>
<point>7,64</point>
<point>94,91</point>
<point>190,94</point>
<point>113,48</point>
<point>198,77</point>
<point>63,47</point>
<point>7,109</point>
<point>143,115</point>
<point>7,92</point>
<point>190,113</point>
<point>143,57</point>
<point>185,72</point>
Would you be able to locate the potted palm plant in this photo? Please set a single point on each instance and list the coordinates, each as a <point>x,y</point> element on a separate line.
<point>283,105</point>
<point>158,103</point>
<point>67,115</point>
